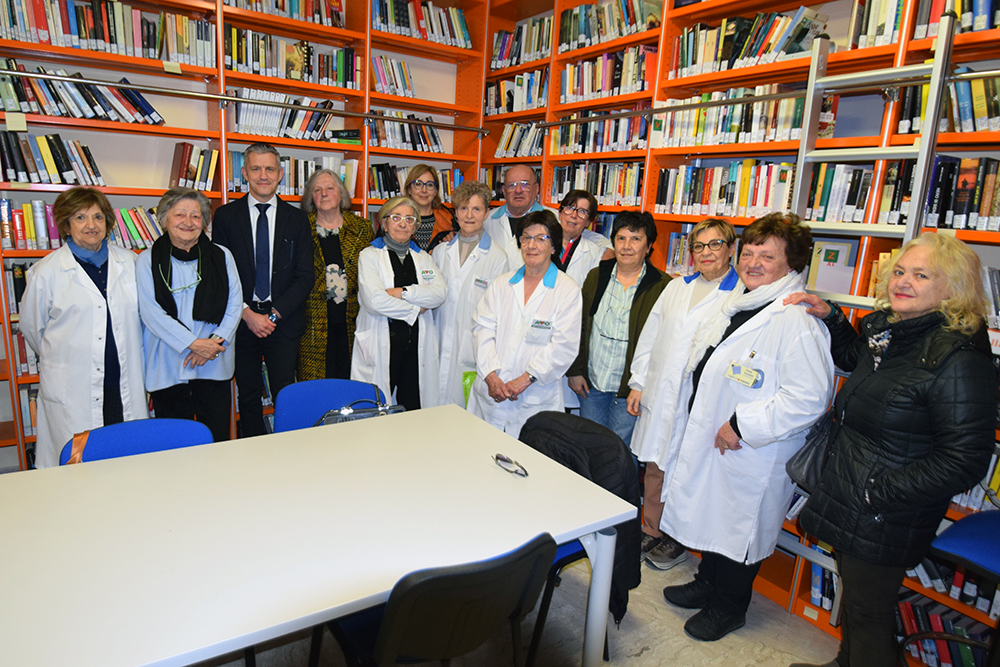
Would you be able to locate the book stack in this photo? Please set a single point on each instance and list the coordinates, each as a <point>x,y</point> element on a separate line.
<point>962,194</point>
<point>386,180</point>
<point>422,20</point>
<point>679,261</point>
<point>840,193</point>
<point>29,409</point>
<point>589,24</point>
<point>193,167</point>
<point>529,90</point>
<point>111,27</point>
<point>520,140</point>
<point>391,76</point>
<point>406,136</point>
<point>610,74</point>
<point>876,23</point>
<point>135,228</point>
<point>614,184</point>
<point>330,13</point>
<point>47,159</point>
<point>449,179</point>
<point>254,52</point>
<point>600,136</point>
<point>974,16</point>
<point>983,495</point>
<point>531,40</point>
<point>744,42</point>
<point>919,613</point>
<point>347,169</point>
<point>73,100</point>
<point>740,123</point>
<point>28,226</point>
<point>306,123</point>
<point>969,106</point>
<point>743,188</point>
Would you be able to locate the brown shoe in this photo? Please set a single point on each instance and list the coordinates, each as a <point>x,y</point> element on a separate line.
<point>666,554</point>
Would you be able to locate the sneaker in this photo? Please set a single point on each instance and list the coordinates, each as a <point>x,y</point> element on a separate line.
<point>710,625</point>
<point>666,554</point>
<point>648,542</point>
<point>692,595</point>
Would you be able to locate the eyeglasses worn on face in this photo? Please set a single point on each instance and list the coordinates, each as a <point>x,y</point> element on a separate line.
<point>537,238</point>
<point>577,211</point>
<point>514,185</point>
<point>408,219</point>
<point>714,244</point>
<point>424,185</point>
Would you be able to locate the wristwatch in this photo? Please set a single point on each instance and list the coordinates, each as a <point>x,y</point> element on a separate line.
<point>532,379</point>
<point>403,294</point>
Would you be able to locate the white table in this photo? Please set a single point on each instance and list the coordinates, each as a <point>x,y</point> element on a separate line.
<point>179,556</point>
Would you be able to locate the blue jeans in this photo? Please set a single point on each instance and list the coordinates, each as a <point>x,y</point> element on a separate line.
<point>608,410</point>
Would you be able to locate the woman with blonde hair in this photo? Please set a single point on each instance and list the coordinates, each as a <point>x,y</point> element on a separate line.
<point>915,426</point>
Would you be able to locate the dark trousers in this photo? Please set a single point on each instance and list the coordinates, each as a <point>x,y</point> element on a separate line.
<point>732,582</point>
<point>404,368</point>
<point>206,401</point>
<point>868,612</point>
<point>279,353</point>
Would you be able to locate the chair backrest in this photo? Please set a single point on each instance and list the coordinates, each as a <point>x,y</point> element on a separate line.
<point>442,613</point>
<point>974,542</point>
<point>301,404</point>
<point>139,437</point>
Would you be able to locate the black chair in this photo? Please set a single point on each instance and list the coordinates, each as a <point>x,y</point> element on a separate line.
<point>442,613</point>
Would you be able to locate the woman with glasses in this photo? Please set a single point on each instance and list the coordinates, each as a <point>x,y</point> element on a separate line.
<point>190,300</point>
<point>396,342</point>
<point>526,331</point>
<point>755,376</point>
<point>658,368</point>
<point>338,237</point>
<point>580,253</point>
<point>423,188</point>
<point>469,263</point>
<point>79,313</point>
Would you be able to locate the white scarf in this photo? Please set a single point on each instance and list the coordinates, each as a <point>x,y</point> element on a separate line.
<point>709,334</point>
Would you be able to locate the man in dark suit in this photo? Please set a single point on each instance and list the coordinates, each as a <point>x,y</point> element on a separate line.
<point>271,243</point>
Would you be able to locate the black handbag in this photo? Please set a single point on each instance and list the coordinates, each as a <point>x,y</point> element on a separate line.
<point>349,413</point>
<point>806,465</point>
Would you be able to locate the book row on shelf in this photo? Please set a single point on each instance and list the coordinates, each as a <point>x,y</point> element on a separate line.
<point>392,76</point>
<point>983,496</point>
<point>386,180</point>
<point>29,226</point>
<point>613,183</point>
<point>111,27</point>
<point>74,100</point>
<point>422,20</point>
<point>399,134</point>
<point>969,106</point>
<point>742,188</point>
<point>28,395</point>
<point>271,121</point>
<point>323,12</point>
<point>193,167</point>
<point>600,136</point>
<point>917,613</point>
<point>744,122</point>
<point>840,195</point>
<point>608,75</point>
<point>255,52</point>
<point>297,172</point>
<point>520,140</point>
<point>962,193</point>
<point>743,42</point>
<point>530,40</point>
<point>596,23</point>
<point>975,15</point>
<point>47,159</point>
<point>522,92</point>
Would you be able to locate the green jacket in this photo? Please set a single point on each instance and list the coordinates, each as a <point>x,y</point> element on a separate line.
<point>646,294</point>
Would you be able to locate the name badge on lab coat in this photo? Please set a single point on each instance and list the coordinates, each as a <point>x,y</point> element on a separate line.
<point>745,375</point>
<point>427,275</point>
<point>539,332</point>
<point>479,282</point>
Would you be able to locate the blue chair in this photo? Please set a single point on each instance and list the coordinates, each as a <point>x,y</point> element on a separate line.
<point>973,542</point>
<point>301,404</point>
<point>139,437</point>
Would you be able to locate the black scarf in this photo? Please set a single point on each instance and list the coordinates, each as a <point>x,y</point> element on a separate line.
<point>210,296</point>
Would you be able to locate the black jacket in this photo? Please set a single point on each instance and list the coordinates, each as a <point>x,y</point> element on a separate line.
<point>911,434</point>
<point>598,454</point>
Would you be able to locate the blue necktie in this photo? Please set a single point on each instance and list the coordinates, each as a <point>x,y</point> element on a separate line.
<point>262,288</point>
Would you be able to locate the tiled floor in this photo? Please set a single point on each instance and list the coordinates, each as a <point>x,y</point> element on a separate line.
<point>650,634</point>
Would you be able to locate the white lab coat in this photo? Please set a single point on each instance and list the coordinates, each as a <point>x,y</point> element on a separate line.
<point>467,285</point>
<point>370,360</point>
<point>63,319</point>
<point>734,504</point>
<point>659,360</point>
<point>497,225</point>
<point>598,239</point>
<point>540,337</point>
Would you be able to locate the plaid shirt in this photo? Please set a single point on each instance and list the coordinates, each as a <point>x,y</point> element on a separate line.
<point>609,335</point>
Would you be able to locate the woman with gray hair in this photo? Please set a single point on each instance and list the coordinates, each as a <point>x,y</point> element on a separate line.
<point>396,343</point>
<point>190,300</point>
<point>338,237</point>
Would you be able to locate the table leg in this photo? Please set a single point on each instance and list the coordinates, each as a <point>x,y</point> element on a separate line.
<point>600,548</point>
